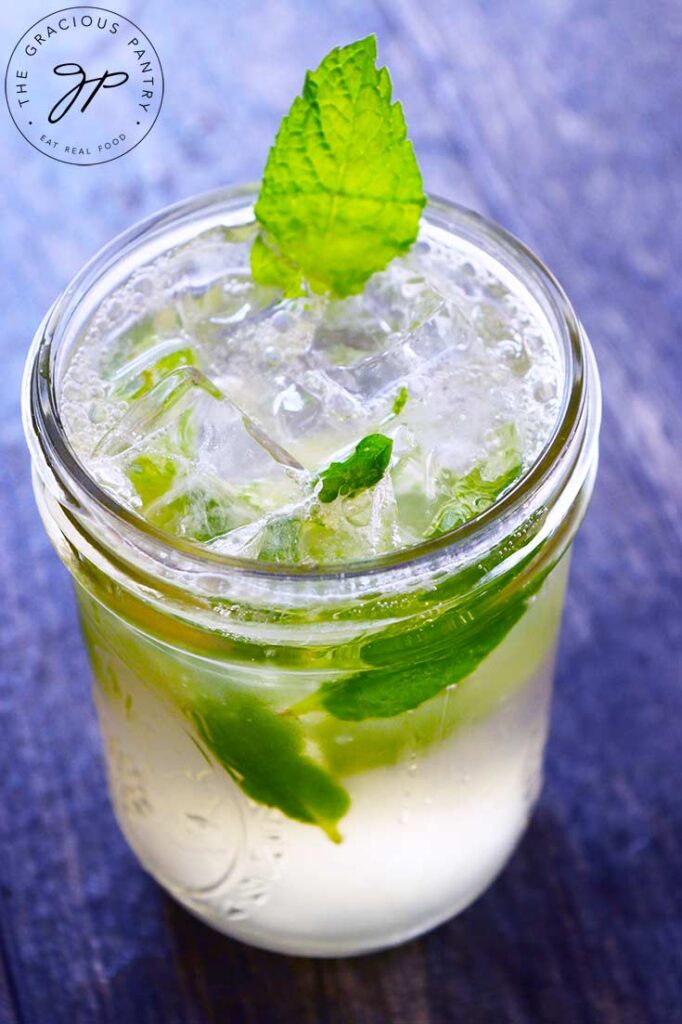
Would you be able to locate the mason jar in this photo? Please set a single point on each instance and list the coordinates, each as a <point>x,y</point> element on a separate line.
<point>318,761</point>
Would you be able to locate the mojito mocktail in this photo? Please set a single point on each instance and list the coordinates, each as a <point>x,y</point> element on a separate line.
<point>318,515</point>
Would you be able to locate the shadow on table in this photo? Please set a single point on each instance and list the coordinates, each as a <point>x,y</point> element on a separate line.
<point>518,954</point>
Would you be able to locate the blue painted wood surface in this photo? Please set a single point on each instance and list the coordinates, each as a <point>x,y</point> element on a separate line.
<point>562,121</point>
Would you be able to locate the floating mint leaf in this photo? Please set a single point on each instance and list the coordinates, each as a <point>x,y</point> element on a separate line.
<point>152,477</point>
<point>364,468</point>
<point>400,400</point>
<point>150,377</point>
<point>281,540</point>
<point>342,193</point>
<point>482,486</point>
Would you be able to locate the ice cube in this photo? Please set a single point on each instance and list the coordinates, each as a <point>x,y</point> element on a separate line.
<point>142,336</point>
<point>270,338</point>
<point>350,529</point>
<point>218,313</point>
<point>193,462</point>
<point>155,408</point>
<point>191,270</point>
<point>241,542</point>
<point>314,417</point>
<point>210,286</point>
<point>373,377</point>
<point>442,338</point>
<point>414,480</point>
<point>411,363</point>
<point>304,411</point>
<point>392,304</point>
<point>311,533</point>
<point>140,373</point>
<point>317,373</point>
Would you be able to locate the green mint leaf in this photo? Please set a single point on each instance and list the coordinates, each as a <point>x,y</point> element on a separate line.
<point>152,477</point>
<point>386,692</point>
<point>281,540</point>
<point>195,512</point>
<point>146,379</point>
<point>472,494</point>
<point>480,488</point>
<point>400,401</point>
<point>265,754</point>
<point>364,468</point>
<point>413,665</point>
<point>270,269</point>
<point>342,193</point>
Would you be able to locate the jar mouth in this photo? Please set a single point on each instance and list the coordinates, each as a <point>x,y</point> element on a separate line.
<point>572,440</point>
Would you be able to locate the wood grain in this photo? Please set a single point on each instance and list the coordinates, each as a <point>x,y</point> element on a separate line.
<point>562,121</point>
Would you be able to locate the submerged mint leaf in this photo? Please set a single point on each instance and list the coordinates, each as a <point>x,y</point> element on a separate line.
<point>342,193</point>
<point>265,755</point>
<point>195,511</point>
<point>406,667</point>
<point>471,495</point>
<point>364,468</point>
<point>384,692</point>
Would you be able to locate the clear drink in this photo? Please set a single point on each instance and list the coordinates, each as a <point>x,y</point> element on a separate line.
<point>324,705</point>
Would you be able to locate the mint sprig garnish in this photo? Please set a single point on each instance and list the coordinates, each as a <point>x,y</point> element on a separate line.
<point>342,193</point>
<point>363,468</point>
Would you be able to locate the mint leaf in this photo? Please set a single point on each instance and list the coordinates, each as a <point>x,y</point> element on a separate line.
<point>281,540</point>
<point>476,492</point>
<point>196,512</point>
<point>270,269</point>
<point>399,401</point>
<point>169,501</point>
<point>264,754</point>
<point>152,477</point>
<point>342,193</point>
<point>150,377</point>
<point>364,468</point>
<point>386,692</point>
<point>412,665</point>
<point>472,494</point>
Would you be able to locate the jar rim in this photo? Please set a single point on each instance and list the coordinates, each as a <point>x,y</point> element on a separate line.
<point>575,425</point>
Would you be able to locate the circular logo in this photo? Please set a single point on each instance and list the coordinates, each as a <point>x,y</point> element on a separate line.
<point>84,85</point>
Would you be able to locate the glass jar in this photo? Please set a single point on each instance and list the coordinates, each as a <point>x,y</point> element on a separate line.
<point>319,762</point>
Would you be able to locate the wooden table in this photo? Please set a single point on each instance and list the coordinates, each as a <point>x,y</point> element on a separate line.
<point>561,121</point>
